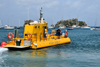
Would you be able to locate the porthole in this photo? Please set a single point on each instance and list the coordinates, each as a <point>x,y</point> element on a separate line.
<point>35,26</point>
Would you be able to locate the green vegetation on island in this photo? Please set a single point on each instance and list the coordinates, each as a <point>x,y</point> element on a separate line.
<point>70,22</point>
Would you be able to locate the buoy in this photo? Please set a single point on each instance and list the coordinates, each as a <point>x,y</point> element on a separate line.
<point>29,35</point>
<point>3,44</point>
<point>10,35</point>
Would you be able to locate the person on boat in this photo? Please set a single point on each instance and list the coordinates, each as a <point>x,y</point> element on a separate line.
<point>45,33</point>
<point>66,33</point>
<point>58,33</point>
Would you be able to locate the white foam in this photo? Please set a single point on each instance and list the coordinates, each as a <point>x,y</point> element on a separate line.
<point>3,49</point>
<point>2,56</point>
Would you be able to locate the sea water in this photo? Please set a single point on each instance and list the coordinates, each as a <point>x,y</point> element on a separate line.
<point>83,51</point>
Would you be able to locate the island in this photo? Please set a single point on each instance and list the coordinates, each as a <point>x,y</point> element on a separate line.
<point>70,23</point>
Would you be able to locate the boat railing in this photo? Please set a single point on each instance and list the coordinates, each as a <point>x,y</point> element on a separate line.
<point>42,37</point>
<point>49,36</point>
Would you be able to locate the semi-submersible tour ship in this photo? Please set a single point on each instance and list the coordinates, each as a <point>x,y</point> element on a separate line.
<point>36,36</point>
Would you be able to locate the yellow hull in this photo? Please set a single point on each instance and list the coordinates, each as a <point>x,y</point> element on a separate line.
<point>51,42</point>
<point>39,44</point>
<point>10,46</point>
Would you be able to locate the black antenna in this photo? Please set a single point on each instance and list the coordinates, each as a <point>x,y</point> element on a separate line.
<point>41,8</point>
<point>41,14</point>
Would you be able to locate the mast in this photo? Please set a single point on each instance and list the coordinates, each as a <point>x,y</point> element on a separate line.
<point>28,13</point>
<point>12,20</point>
<point>0,23</point>
<point>8,21</point>
<point>62,17</point>
<point>76,22</point>
<point>52,19</point>
<point>96,22</point>
<point>41,16</point>
<point>19,22</point>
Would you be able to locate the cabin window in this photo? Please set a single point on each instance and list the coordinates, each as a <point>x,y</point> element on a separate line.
<point>35,26</point>
<point>44,27</point>
<point>38,26</point>
<point>25,34</point>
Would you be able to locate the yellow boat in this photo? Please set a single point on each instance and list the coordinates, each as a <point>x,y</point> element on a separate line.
<point>36,36</point>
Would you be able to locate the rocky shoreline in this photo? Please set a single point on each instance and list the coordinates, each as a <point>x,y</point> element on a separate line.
<point>70,22</point>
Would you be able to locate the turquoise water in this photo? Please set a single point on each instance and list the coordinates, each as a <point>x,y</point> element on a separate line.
<point>83,51</point>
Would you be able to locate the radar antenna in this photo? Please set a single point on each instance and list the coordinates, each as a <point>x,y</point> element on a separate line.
<point>41,13</point>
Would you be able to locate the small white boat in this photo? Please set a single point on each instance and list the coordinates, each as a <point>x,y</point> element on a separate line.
<point>7,27</point>
<point>74,26</point>
<point>62,27</point>
<point>51,27</point>
<point>86,27</point>
<point>70,29</point>
<point>1,26</point>
<point>95,28</point>
<point>77,27</point>
<point>18,27</point>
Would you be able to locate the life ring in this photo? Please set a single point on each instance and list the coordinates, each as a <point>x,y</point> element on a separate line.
<point>53,32</point>
<point>66,33</point>
<point>29,35</point>
<point>10,35</point>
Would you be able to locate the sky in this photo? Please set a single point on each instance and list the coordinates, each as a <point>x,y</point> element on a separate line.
<point>13,11</point>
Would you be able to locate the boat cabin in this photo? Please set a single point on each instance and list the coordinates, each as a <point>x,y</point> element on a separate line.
<point>36,31</point>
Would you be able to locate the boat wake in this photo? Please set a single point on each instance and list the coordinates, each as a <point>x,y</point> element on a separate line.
<point>2,56</point>
<point>3,49</point>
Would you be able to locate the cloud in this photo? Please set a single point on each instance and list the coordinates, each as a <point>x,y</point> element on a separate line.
<point>92,8</point>
<point>51,4</point>
<point>74,4</point>
<point>68,3</point>
<point>38,3</point>
<point>1,5</point>
<point>83,5</point>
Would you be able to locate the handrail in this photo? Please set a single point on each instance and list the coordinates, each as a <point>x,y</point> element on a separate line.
<point>41,37</point>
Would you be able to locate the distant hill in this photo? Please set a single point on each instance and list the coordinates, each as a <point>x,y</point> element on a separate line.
<point>70,22</point>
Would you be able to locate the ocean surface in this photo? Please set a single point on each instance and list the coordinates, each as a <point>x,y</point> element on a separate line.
<point>83,51</point>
